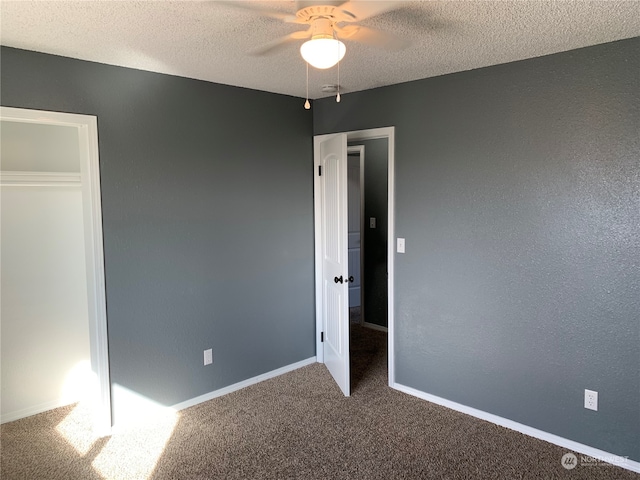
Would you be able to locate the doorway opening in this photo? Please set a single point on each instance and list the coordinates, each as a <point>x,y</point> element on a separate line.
<point>367,173</point>
<point>333,246</point>
<point>356,228</point>
<point>368,236</point>
<point>51,184</point>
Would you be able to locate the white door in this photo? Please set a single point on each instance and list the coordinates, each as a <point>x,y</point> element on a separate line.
<point>334,257</point>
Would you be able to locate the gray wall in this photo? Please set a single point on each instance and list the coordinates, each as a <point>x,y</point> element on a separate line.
<point>375,239</point>
<point>518,192</point>
<point>208,220</point>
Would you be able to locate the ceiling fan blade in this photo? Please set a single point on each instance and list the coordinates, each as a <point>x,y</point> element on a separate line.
<point>281,42</point>
<point>370,36</point>
<point>285,17</point>
<point>355,11</point>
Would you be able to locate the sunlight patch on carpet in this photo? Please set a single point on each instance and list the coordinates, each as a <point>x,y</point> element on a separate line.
<point>77,427</point>
<point>143,429</point>
<point>134,452</point>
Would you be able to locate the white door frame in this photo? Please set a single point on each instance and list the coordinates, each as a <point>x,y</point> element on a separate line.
<point>355,136</point>
<point>87,127</point>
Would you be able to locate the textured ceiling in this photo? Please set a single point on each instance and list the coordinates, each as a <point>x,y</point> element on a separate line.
<point>211,41</point>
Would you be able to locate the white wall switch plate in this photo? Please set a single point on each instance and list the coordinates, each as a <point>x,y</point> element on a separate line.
<point>208,357</point>
<point>372,222</point>
<point>400,245</point>
<point>591,400</point>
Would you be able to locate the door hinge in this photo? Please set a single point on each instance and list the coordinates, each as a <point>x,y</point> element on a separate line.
<point>322,336</point>
<point>319,170</point>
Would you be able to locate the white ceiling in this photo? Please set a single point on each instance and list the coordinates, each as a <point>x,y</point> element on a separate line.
<point>210,41</point>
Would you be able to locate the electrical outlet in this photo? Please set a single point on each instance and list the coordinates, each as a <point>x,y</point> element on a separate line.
<point>208,357</point>
<point>400,245</point>
<point>591,400</point>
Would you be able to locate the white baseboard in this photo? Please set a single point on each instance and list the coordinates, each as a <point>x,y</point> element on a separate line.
<point>34,410</point>
<point>243,384</point>
<point>374,326</point>
<point>600,455</point>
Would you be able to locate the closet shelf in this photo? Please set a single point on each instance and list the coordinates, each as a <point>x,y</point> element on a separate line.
<point>40,179</point>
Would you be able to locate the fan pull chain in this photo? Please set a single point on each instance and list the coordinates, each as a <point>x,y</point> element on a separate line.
<point>307,105</point>
<point>338,95</point>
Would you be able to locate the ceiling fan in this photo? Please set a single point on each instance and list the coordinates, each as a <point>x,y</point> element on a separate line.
<point>329,22</point>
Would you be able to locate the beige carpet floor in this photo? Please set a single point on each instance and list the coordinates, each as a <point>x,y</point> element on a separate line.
<point>296,426</point>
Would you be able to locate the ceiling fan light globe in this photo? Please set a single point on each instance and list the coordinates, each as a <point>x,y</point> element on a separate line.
<point>323,52</point>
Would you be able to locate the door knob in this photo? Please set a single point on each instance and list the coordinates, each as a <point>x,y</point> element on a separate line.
<point>351,278</point>
<point>338,280</point>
